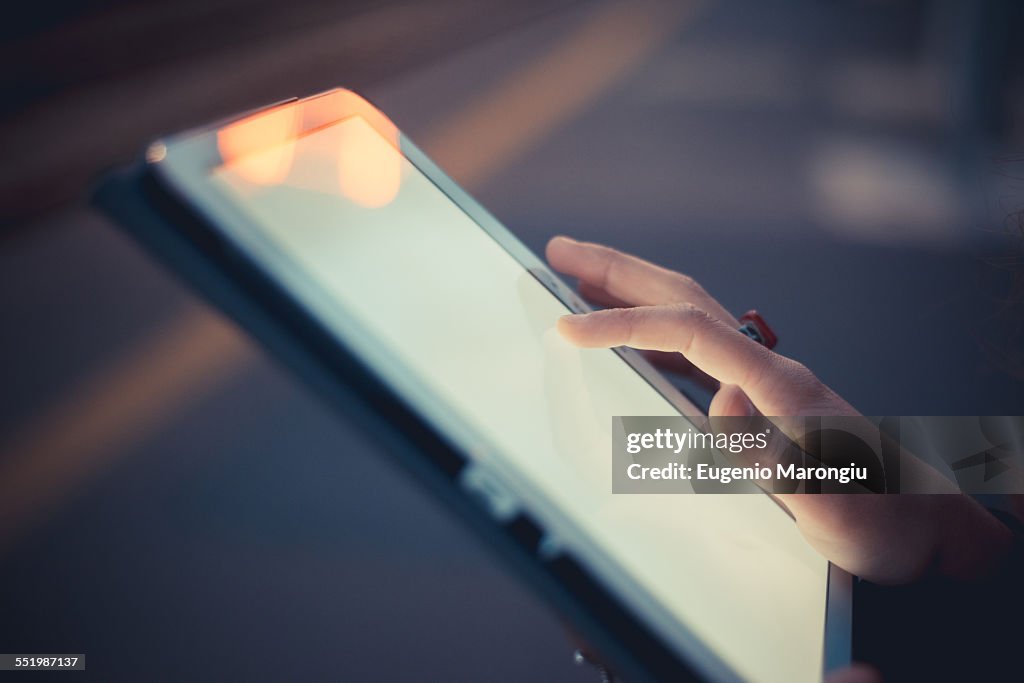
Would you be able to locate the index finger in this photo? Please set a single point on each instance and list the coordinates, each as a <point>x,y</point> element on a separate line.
<point>631,279</point>
<point>768,379</point>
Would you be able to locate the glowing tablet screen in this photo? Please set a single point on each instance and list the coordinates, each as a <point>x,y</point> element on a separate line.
<point>376,245</point>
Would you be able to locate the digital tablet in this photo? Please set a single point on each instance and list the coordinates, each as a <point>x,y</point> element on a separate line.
<point>343,248</point>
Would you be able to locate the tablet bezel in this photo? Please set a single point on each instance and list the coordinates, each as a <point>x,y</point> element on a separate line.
<point>178,168</point>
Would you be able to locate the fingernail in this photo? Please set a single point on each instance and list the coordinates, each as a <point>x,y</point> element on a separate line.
<point>573,318</point>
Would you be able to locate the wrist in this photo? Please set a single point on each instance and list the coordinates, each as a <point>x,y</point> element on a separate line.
<point>974,544</point>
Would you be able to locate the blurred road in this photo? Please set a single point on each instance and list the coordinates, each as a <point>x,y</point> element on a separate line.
<point>175,506</point>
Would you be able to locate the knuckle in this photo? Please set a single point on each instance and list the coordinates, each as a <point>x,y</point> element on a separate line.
<point>687,311</point>
<point>634,315</point>
<point>600,249</point>
<point>634,320</point>
<point>688,317</point>
<point>685,287</point>
<point>684,282</point>
<point>807,390</point>
<point>610,262</point>
<point>797,370</point>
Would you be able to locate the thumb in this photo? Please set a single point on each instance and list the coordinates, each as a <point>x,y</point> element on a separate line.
<point>733,414</point>
<point>730,401</point>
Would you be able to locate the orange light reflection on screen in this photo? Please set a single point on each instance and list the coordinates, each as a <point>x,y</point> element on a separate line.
<point>261,147</point>
<point>340,153</point>
<point>369,171</point>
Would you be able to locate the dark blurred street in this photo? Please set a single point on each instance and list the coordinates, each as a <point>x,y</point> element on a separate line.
<point>176,506</point>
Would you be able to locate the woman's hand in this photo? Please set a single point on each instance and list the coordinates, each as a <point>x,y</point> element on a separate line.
<point>887,539</point>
